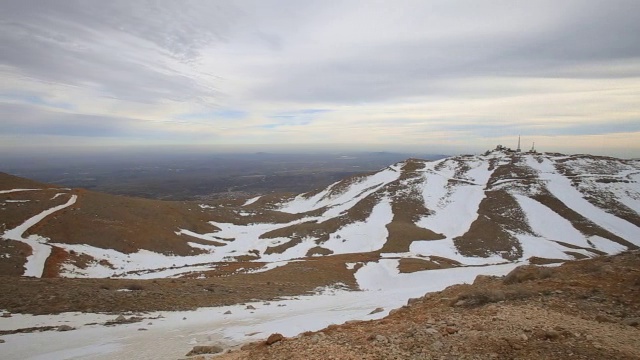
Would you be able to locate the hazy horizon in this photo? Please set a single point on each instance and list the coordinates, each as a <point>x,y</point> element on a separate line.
<point>79,151</point>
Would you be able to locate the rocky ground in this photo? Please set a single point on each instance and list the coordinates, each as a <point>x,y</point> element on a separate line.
<point>587,309</point>
<point>216,288</point>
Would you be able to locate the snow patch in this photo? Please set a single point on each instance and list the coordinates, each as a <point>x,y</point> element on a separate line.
<point>251,201</point>
<point>369,235</point>
<point>40,251</point>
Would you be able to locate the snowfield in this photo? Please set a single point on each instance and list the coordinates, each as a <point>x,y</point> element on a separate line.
<point>39,249</point>
<point>175,333</point>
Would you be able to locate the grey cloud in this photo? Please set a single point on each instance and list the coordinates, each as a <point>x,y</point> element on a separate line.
<point>532,129</point>
<point>181,27</point>
<point>592,33</point>
<point>31,120</point>
<point>56,41</point>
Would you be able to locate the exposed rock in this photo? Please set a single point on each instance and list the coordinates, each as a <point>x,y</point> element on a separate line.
<point>205,349</point>
<point>413,301</point>
<point>274,338</point>
<point>228,312</point>
<point>603,319</point>
<point>121,319</point>
<point>451,330</point>
<point>65,328</point>
<point>317,337</point>
<point>1,341</point>
<point>482,279</point>
<point>381,338</point>
<point>250,307</point>
<point>460,303</point>
<point>6,315</point>
<point>551,334</point>
<point>527,273</point>
<point>376,310</point>
<point>437,345</point>
<point>631,322</point>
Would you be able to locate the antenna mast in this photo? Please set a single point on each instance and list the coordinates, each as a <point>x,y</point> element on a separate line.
<point>518,144</point>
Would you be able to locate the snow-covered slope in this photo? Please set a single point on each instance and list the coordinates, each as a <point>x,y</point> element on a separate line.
<point>472,210</point>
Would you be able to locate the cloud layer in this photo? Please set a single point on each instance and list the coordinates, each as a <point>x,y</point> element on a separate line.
<point>459,75</point>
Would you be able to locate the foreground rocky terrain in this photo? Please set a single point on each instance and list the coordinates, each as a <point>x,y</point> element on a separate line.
<point>587,309</point>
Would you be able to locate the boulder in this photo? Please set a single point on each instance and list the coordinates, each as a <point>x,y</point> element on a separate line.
<point>205,349</point>
<point>376,310</point>
<point>65,328</point>
<point>274,338</point>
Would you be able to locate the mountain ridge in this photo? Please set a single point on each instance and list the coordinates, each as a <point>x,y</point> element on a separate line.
<point>470,209</point>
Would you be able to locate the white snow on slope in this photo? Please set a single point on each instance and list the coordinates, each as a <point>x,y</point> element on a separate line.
<point>198,236</point>
<point>369,235</point>
<point>40,251</point>
<point>543,248</point>
<point>246,238</point>
<point>455,207</point>
<point>446,249</point>
<point>251,201</point>
<point>172,337</point>
<point>56,195</point>
<point>344,200</point>
<point>548,224</point>
<point>16,190</point>
<point>552,228</point>
<point>562,189</point>
<point>383,276</point>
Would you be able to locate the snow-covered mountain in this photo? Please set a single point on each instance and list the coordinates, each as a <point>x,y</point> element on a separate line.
<point>289,264</point>
<point>494,208</point>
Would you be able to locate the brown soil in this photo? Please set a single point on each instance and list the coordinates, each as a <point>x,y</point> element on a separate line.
<point>498,213</point>
<point>13,256</point>
<point>55,295</point>
<point>402,234</point>
<point>126,224</point>
<point>411,265</point>
<point>408,207</point>
<point>9,182</point>
<point>581,223</point>
<point>52,265</point>
<point>582,310</point>
<point>13,214</point>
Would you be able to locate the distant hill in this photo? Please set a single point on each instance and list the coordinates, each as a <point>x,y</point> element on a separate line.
<point>459,211</point>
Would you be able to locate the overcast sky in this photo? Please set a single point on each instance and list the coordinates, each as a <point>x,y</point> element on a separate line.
<point>461,76</point>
